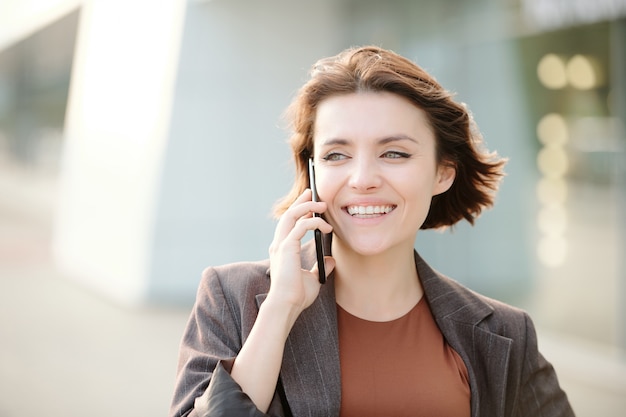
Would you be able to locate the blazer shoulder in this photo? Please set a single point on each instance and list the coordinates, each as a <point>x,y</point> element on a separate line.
<point>236,279</point>
<point>506,320</point>
<point>499,307</point>
<point>464,304</point>
<point>239,270</point>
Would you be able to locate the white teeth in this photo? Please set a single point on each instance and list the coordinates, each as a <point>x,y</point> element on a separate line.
<point>368,210</point>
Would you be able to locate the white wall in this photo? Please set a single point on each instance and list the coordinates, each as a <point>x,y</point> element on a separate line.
<point>115,135</point>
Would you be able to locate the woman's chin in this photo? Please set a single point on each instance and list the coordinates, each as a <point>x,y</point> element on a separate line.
<point>365,247</point>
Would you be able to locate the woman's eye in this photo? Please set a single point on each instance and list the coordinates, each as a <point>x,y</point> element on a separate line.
<point>395,155</point>
<point>334,156</point>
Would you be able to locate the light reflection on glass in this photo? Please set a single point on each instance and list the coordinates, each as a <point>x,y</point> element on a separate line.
<point>552,250</point>
<point>552,220</point>
<point>552,161</point>
<point>552,191</point>
<point>582,73</point>
<point>552,129</point>
<point>551,72</point>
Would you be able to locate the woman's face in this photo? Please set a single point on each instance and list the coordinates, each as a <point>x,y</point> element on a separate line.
<point>376,168</point>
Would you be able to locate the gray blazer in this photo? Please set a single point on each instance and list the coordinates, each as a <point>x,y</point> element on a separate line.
<point>497,342</point>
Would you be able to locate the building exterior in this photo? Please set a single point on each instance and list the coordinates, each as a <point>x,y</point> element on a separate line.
<point>162,127</point>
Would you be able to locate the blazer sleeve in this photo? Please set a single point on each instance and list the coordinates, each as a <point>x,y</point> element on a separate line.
<point>540,393</point>
<point>211,341</point>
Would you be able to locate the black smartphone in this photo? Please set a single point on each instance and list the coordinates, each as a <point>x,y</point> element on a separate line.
<point>319,244</point>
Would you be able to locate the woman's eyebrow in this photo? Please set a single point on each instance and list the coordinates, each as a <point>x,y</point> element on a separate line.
<point>335,141</point>
<point>382,141</point>
<point>397,138</point>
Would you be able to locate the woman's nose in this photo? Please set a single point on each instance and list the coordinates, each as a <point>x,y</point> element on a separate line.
<point>364,175</point>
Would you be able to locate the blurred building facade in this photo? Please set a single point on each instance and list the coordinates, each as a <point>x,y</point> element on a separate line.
<point>162,129</point>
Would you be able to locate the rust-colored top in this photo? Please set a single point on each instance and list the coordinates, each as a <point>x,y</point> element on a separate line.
<point>402,367</point>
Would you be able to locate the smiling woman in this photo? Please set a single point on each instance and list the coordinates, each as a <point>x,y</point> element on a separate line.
<point>386,334</point>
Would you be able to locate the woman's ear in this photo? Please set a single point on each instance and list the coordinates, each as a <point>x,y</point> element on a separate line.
<point>446,173</point>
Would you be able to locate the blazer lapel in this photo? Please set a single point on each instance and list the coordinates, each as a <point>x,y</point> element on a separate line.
<point>310,371</point>
<point>458,313</point>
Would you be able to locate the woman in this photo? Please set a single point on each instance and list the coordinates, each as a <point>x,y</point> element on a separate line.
<point>386,335</point>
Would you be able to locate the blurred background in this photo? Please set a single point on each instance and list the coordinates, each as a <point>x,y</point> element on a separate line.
<point>141,143</point>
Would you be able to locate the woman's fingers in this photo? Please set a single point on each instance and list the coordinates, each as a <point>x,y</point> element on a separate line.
<point>298,231</point>
<point>298,219</point>
<point>291,286</point>
<point>302,206</point>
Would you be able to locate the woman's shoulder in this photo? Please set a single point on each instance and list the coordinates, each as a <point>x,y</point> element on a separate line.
<point>239,269</point>
<point>497,305</point>
<point>505,319</point>
<point>458,302</point>
<point>453,300</point>
<point>236,279</point>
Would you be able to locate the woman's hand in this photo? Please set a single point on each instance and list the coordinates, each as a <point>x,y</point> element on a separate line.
<point>292,287</point>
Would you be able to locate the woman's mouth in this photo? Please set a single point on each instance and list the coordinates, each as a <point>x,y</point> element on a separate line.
<point>369,211</point>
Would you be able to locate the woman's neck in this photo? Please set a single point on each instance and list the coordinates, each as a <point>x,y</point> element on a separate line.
<point>378,287</point>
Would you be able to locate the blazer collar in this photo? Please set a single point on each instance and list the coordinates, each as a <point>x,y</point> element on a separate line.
<point>449,300</point>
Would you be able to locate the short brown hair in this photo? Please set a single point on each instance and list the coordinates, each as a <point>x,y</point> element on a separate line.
<point>458,141</point>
